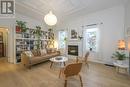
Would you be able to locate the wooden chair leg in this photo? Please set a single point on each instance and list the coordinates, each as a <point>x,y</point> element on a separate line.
<point>60,73</point>
<point>65,85</point>
<point>64,64</point>
<point>81,80</point>
<point>87,64</point>
<point>51,64</point>
<point>29,66</point>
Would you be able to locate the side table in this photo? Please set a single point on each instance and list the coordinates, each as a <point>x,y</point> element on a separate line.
<point>121,66</point>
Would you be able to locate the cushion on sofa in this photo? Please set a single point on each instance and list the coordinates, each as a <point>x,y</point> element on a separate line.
<point>51,50</point>
<point>40,58</point>
<point>48,50</point>
<point>36,52</point>
<point>43,52</point>
<point>29,53</point>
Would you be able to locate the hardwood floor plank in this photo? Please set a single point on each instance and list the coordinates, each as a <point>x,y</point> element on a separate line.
<point>98,75</point>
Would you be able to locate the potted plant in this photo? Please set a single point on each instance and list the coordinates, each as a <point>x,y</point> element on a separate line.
<point>80,37</point>
<point>119,56</point>
<point>38,34</point>
<point>21,26</point>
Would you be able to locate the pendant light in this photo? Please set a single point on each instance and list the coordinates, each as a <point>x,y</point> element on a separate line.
<point>50,19</point>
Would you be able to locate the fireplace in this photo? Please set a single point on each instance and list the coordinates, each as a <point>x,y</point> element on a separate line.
<point>73,50</point>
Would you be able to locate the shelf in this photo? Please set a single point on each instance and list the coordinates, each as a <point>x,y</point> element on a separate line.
<point>28,41</point>
<point>22,44</point>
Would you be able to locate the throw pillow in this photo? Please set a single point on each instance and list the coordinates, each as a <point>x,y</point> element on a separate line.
<point>49,50</point>
<point>38,52</point>
<point>53,50</point>
<point>34,52</point>
<point>29,53</point>
<point>43,52</point>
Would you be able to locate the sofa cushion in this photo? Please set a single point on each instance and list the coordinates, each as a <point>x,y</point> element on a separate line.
<point>50,55</point>
<point>48,50</point>
<point>53,50</point>
<point>39,59</point>
<point>43,52</point>
<point>29,53</point>
<point>36,52</point>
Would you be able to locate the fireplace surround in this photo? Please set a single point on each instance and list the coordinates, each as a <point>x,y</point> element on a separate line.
<point>73,50</point>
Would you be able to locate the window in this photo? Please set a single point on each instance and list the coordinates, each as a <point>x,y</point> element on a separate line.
<point>62,38</point>
<point>91,37</point>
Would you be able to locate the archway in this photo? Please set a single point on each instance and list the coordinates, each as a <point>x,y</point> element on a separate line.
<point>4,42</point>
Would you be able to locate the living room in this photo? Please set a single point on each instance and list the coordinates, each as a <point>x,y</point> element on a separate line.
<point>94,33</point>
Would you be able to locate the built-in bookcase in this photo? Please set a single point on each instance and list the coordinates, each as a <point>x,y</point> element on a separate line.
<point>28,40</point>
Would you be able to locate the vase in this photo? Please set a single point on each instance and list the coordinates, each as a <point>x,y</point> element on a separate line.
<point>120,62</point>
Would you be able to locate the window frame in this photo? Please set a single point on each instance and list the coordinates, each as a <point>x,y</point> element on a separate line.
<point>61,41</point>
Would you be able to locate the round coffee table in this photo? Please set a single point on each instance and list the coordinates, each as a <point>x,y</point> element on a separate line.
<point>123,66</point>
<point>58,59</point>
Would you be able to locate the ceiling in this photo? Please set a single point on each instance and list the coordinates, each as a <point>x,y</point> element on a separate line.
<point>62,8</point>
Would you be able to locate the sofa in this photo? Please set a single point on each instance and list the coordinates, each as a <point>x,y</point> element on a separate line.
<point>29,58</point>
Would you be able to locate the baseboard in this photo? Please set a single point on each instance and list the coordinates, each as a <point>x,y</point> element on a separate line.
<point>97,61</point>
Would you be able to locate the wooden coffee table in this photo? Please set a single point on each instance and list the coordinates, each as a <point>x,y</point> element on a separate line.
<point>58,59</point>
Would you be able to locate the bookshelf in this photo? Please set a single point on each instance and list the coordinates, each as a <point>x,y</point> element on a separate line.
<point>27,41</point>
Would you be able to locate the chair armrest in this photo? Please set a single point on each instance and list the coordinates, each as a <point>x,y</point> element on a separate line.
<point>25,60</point>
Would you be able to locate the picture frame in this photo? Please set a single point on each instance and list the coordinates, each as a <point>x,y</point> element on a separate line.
<point>73,34</point>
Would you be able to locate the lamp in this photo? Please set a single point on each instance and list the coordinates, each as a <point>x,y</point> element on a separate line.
<point>121,45</point>
<point>50,19</point>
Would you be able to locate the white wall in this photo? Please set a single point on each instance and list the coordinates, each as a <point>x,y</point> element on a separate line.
<point>127,22</point>
<point>31,23</point>
<point>127,16</point>
<point>112,29</point>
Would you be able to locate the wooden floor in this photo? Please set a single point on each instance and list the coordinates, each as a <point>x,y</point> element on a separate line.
<point>41,75</point>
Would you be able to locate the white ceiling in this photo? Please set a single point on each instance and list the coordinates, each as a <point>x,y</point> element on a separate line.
<point>62,8</point>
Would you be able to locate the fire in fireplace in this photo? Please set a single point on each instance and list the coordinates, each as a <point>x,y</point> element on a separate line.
<point>73,50</point>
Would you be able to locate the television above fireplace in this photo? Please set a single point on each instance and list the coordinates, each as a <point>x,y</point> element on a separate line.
<point>73,50</point>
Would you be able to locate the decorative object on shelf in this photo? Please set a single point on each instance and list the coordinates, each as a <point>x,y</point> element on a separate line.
<point>50,19</point>
<point>73,34</point>
<point>119,56</point>
<point>38,33</point>
<point>51,38</point>
<point>50,34</point>
<point>80,37</point>
<point>121,44</point>
<point>21,26</point>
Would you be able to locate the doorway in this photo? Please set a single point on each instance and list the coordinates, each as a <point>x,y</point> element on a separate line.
<point>91,43</point>
<point>3,42</point>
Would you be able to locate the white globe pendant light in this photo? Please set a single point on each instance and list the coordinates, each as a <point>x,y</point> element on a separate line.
<point>50,19</point>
